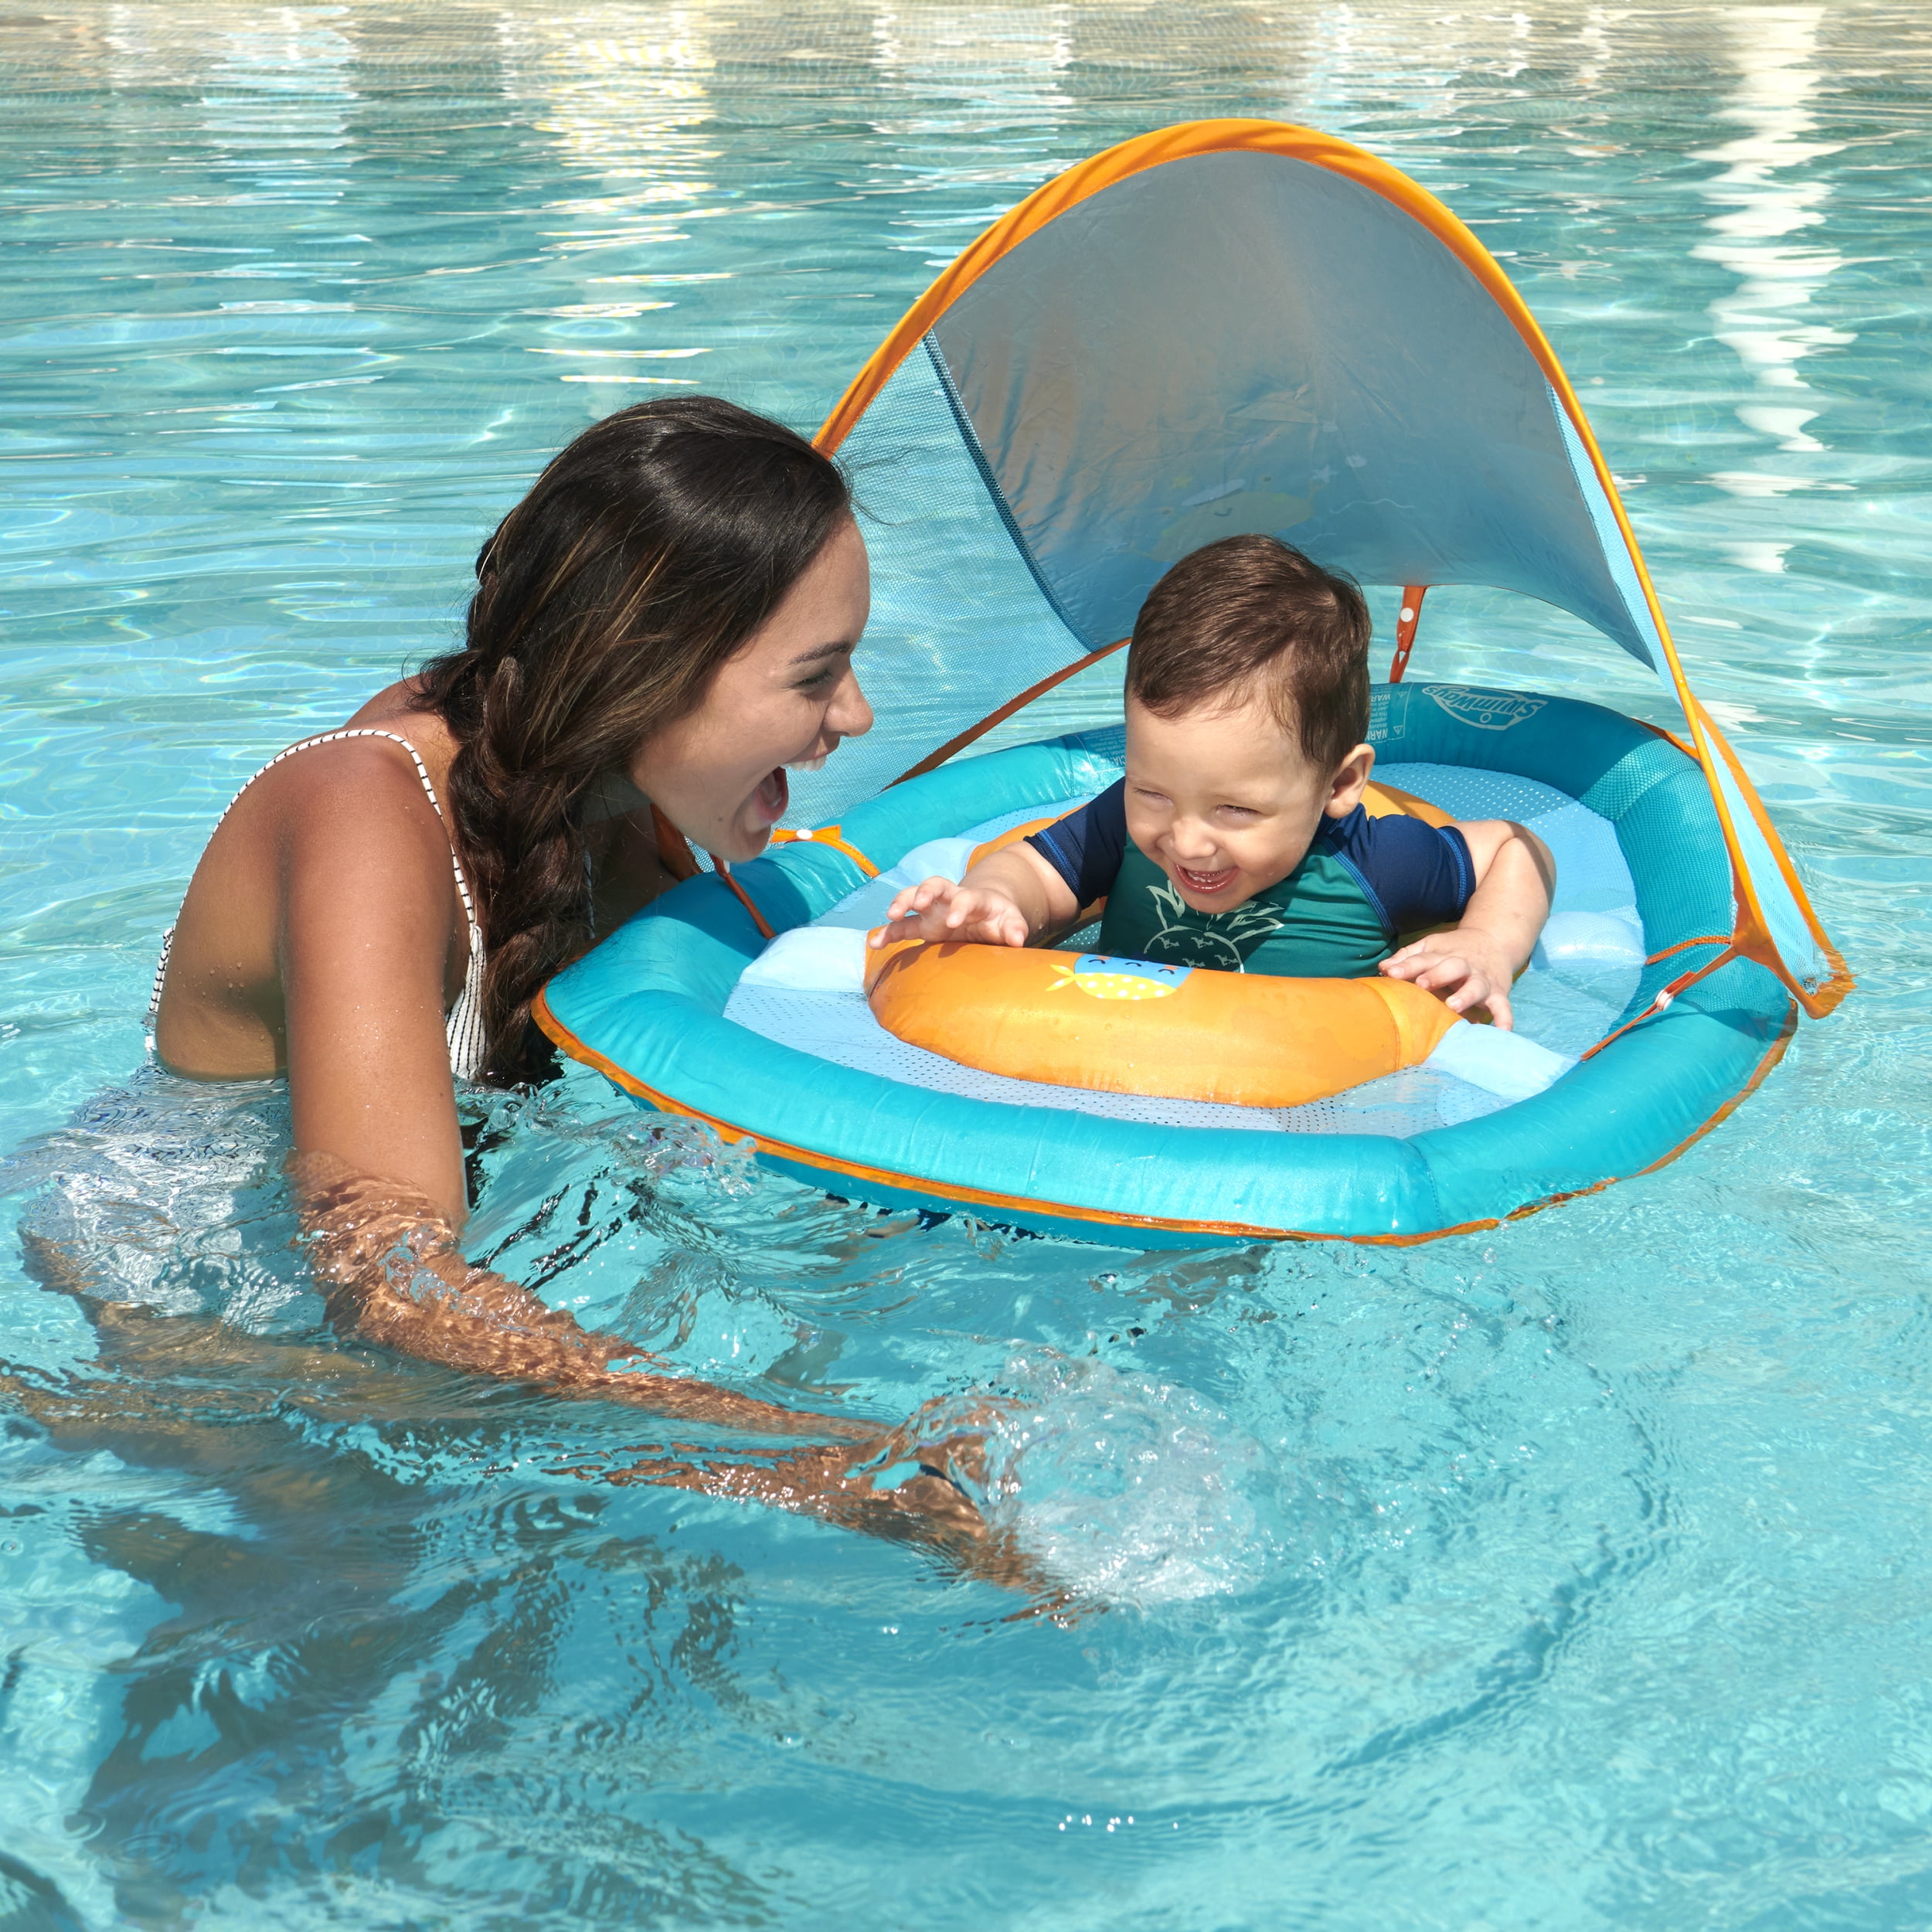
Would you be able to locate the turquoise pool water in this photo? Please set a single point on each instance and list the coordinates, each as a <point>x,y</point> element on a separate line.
<point>1569,1575</point>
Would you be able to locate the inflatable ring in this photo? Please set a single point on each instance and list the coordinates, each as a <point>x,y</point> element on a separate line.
<point>1225,1037</point>
<point>669,1007</point>
<point>1138,1026</point>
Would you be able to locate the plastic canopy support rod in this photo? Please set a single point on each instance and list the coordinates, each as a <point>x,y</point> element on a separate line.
<point>1405,629</point>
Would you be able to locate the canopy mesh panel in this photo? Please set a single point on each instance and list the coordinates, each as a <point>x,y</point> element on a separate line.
<point>959,624</point>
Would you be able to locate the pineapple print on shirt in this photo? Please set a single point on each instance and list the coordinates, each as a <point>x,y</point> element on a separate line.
<point>1219,940</point>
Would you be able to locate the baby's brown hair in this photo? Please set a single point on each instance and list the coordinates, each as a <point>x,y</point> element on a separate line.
<point>1250,612</point>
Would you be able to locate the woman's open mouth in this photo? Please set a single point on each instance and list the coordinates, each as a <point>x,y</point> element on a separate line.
<point>1206,883</point>
<point>773,795</point>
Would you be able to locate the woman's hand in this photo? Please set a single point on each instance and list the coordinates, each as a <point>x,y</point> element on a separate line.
<point>916,1483</point>
<point>937,909</point>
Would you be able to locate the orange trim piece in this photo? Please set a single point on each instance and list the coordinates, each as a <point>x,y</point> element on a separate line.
<point>831,835</point>
<point>1192,138</point>
<point>933,761</point>
<point>746,900</point>
<point>1669,738</point>
<point>1405,619</point>
<point>1840,981</point>
<point>1683,945</point>
<point>1382,801</point>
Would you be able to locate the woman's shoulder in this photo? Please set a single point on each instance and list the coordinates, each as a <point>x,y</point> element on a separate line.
<point>391,732</point>
<point>388,763</point>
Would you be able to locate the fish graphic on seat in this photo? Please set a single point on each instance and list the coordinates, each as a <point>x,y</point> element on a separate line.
<point>1106,977</point>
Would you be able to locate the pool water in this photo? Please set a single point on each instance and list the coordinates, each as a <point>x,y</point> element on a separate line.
<point>1569,1575</point>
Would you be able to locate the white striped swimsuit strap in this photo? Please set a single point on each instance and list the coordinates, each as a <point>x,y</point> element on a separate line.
<point>429,789</point>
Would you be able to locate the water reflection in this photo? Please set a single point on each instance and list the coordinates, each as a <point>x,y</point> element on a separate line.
<point>1771,195</point>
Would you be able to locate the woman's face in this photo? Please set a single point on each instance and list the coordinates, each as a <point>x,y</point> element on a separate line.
<point>786,697</point>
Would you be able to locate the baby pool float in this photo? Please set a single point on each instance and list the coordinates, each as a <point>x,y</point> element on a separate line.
<point>1221,328</point>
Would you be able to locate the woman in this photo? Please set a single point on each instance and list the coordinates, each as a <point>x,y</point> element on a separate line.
<point>661,628</point>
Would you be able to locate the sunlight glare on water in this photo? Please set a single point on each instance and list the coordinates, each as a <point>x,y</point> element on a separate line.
<point>1566,1575</point>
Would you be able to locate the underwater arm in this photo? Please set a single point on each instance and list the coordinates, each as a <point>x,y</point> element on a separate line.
<point>388,1264</point>
<point>368,915</point>
<point>175,1386</point>
<point>1009,899</point>
<point>1476,961</point>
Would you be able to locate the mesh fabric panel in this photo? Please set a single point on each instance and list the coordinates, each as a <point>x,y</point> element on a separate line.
<point>1686,889</point>
<point>958,624</point>
<point>1633,774</point>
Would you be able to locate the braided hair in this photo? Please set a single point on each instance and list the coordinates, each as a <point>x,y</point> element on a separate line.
<point>646,554</point>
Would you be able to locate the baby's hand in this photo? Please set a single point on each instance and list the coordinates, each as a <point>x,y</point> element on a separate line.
<point>937,909</point>
<point>1466,966</point>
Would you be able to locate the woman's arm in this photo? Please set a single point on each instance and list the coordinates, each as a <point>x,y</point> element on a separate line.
<point>154,1381</point>
<point>369,912</point>
<point>367,950</point>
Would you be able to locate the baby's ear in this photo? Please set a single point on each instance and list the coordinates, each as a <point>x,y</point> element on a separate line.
<point>1351,778</point>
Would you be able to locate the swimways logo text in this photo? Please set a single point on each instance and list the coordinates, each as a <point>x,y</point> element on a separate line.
<point>1485,710</point>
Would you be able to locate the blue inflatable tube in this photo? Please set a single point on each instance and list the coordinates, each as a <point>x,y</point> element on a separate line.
<point>648,1007</point>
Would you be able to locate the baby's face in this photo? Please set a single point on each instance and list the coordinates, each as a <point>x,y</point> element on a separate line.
<point>1224,801</point>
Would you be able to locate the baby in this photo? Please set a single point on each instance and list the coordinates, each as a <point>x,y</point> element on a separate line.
<point>1239,838</point>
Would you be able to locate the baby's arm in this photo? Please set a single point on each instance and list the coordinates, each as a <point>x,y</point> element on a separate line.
<point>1008,899</point>
<point>1476,961</point>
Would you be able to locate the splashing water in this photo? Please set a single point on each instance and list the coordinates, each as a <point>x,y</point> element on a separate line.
<point>1124,1488</point>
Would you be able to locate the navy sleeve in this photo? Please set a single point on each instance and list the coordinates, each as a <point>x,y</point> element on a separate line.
<point>1087,846</point>
<point>1415,874</point>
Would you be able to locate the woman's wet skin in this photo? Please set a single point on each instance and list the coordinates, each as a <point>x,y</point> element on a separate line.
<point>789,697</point>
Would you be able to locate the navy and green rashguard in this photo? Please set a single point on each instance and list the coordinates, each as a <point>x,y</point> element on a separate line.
<point>1365,882</point>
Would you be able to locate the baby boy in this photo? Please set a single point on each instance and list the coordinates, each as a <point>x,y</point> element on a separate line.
<point>1239,838</point>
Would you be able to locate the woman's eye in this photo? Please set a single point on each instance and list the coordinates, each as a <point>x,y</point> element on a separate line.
<point>826,677</point>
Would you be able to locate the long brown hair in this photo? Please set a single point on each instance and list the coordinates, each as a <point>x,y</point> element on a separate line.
<point>646,554</point>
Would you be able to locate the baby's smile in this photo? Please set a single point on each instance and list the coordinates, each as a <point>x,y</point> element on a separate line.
<point>1206,883</point>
